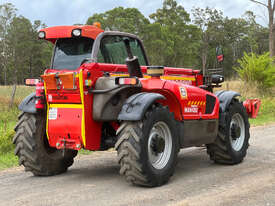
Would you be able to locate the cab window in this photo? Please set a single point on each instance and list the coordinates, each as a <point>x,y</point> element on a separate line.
<point>113,50</point>
<point>70,52</point>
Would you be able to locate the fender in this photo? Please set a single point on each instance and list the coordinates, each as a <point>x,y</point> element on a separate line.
<point>135,106</point>
<point>225,97</point>
<point>28,104</point>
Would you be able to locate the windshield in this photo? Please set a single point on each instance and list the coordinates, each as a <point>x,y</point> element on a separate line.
<point>70,52</point>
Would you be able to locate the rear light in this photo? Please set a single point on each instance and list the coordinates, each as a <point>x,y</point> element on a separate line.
<point>31,82</point>
<point>126,81</point>
<point>39,93</point>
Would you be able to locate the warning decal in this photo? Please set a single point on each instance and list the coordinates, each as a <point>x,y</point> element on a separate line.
<point>183,92</point>
<point>52,114</point>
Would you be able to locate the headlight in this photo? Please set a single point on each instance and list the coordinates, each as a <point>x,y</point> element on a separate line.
<point>76,32</point>
<point>41,35</point>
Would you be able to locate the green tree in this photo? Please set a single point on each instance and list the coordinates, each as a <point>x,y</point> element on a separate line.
<point>171,40</point>
<point>257,68</point>
<point>121,19</point>
<point>7,13</point>
<point>270,5</point>
<point>28,55</point>
<point>210,22</point>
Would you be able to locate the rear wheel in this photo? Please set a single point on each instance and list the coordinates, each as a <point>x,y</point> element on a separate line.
<point>232,141</point>
<point>147,150</point>
<point>33,149</point>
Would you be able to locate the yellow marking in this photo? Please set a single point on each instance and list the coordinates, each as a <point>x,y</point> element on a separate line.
<point>77,106</point>
<point>119,75</point>
<point>83,113</point>
<point>195,103</point>
<point>162,77</point>
<point>70,106</point>
<point>47,123</point>
<point>178,78</point>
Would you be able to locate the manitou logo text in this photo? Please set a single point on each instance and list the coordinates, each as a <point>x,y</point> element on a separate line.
<point>192,109</point>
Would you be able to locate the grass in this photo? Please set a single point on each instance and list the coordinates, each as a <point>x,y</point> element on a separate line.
<point>8,116</point>
<point>21,93</point>
<point>8,160</point>
<point>267,110</point>
<point>7,122</point>
<point>8,119</point>
<point>266,113</point>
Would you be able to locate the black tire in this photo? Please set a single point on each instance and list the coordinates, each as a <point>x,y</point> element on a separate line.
<point>33,150</point>
<point>133,150</point>
<point>231,144</point>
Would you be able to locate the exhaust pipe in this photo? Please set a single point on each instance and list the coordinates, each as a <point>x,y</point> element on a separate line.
<point>132,62</point>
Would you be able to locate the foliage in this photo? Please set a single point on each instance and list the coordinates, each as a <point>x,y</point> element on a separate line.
<point>8,120</point>
<point>257,68</point>
<point>210,22</point>
<point>270,6</point>
<point>22,55</point>
<point>170,37</point>
<point>121,19</point>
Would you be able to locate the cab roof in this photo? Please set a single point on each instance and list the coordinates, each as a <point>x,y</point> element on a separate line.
<point>56,32</point>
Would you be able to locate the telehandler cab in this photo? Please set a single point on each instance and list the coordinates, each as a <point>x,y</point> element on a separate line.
<point>100,92</point>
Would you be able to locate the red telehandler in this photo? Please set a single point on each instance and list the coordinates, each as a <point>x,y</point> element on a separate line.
<point>100,92</point>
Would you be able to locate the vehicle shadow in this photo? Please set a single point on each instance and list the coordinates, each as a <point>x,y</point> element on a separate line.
<point>102,169</point>
<point>188,163</point>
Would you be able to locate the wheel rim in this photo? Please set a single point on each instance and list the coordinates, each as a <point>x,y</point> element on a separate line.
<point>237,132</point>
<point>159,145</point>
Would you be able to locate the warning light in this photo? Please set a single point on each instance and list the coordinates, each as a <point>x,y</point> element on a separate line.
<point>97,24</point>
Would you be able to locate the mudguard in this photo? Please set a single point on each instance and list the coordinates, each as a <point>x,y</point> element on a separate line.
<point>28,104</point>
<point>135,106</point>
<point>225,97</point>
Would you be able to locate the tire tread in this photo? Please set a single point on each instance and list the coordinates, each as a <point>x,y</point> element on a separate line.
<point>27,148</point>
<point>219,151</point>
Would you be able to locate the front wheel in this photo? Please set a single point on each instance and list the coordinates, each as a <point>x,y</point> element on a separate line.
<point>232,141</point>
<point>147,150</point>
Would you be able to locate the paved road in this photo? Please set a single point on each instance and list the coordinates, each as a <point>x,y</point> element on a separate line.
<point>94,180</point>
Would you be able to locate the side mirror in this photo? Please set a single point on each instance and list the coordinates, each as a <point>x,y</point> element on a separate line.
<point>219,54</point>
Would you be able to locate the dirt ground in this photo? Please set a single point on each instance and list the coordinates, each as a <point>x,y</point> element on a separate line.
<point>94,180</point>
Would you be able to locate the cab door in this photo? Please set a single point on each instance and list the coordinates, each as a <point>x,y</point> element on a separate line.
<point>110,48</point>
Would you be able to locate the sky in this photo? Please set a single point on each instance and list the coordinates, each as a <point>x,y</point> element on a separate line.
<point>68,12</point>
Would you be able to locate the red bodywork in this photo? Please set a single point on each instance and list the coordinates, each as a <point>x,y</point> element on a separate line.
<point>252,107</point>
<point>53,33</point>
<point>190,106</point>
<point>69,121</point>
